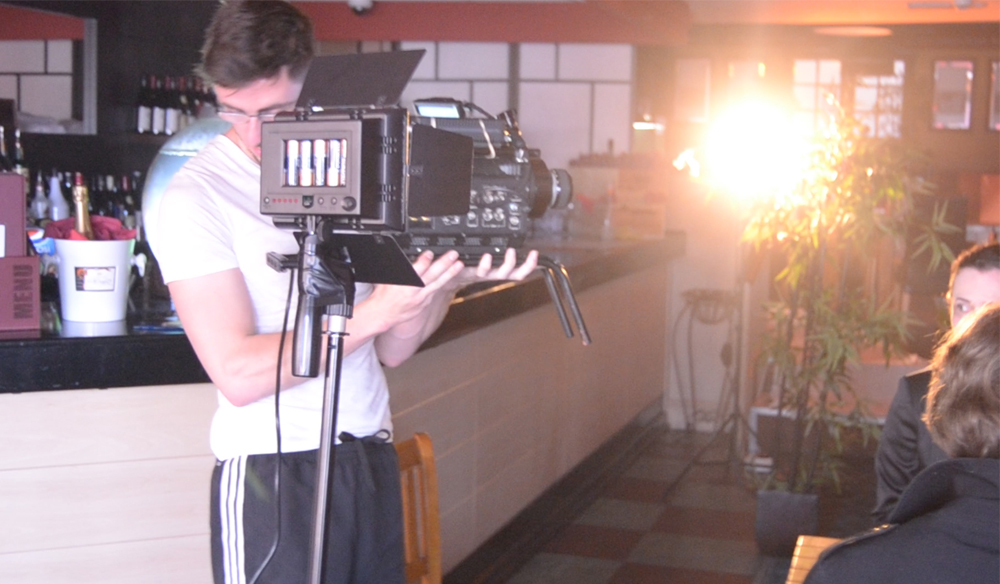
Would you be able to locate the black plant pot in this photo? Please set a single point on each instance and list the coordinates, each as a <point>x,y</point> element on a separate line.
<point>781,518</point>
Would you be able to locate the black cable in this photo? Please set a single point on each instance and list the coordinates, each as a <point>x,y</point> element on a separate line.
<point>277,436</point>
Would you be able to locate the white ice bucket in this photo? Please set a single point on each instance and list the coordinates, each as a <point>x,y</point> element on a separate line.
<point>94,279</point>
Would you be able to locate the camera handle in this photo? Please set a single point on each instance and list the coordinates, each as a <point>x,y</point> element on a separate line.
<point>559,287</point>
<point>326,284</point>
<point>556,272</point>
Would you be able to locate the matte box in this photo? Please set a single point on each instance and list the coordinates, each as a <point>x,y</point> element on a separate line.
<point>20,293</point>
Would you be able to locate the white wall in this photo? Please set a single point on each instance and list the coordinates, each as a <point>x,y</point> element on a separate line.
<point>572,99</point>
<point>38,75</point>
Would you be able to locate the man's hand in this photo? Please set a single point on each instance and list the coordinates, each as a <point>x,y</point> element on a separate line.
<point>508,270</point>
<point>413,314</point>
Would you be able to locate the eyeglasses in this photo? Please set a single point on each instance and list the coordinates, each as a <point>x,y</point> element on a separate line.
<point>241,118</point>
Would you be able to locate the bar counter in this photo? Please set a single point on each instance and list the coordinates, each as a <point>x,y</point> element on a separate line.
<point>150,350</point>
<point>103,479</point>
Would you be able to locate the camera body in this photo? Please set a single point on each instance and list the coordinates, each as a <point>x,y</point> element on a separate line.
<point>511,185</point>
<point>469,184</point>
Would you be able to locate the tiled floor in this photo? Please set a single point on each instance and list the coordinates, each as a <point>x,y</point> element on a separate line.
<point>656,524</point>
<point>641,530</point>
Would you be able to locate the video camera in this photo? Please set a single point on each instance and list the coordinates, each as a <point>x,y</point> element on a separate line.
<point>361,176</point>
<point>439,180</point>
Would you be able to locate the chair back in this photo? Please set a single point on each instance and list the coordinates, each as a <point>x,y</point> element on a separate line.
<point>421,521</point>
<point>807,550</point>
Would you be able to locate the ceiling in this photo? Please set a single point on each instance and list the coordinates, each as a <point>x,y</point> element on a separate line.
<point>807,12</point>
<point>834,12</point>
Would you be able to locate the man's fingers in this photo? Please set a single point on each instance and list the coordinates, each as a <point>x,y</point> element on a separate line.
<point>485,264</point>
<point>529,265</point>
<point>423,262</point>
<point>443,270</point>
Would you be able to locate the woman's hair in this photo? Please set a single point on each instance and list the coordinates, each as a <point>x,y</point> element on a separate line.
<point>963,404</point>
<point>249,40</point>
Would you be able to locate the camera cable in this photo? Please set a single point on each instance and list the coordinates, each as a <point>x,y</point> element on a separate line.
<point>277,436</point>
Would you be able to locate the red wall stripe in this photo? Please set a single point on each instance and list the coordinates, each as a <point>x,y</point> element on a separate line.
<point>27,24</point>
<point>650,22</point>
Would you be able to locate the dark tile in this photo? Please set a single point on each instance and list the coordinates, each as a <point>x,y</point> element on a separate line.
<point>635,489</point>
<point>630,573</point>
<point>595,542</point>
<point>706,523</point>
<point>547,568</point>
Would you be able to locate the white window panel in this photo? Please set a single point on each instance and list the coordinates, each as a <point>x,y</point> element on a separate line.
<point>473,61</point>
<point>424,89</point>
<point>47,95</point>
<point>22,56</point>
<point>804,71</point>
<point>865,97</point>
<point>555,117</point>
<point>491,95</point>
<point>538,61</point>
<point>595,62</point>
<point>829,72</point>
<point>612,117</point>
<point>8,87</point>
<point>426,69</point>
<point>60,57</point>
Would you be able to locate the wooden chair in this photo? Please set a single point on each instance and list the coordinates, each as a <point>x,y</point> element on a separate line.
<point>807,551</point>
<point>421,527</point>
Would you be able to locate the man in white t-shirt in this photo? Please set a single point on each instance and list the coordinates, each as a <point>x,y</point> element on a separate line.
<point>211,245</point>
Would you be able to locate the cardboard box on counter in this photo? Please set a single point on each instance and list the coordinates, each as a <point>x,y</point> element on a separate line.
<point>13,239</point>
<point>20,293</point>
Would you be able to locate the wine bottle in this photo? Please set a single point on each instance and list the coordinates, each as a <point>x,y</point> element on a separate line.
<point>5,163</point>
<point>58,208</point>
<point>187,103</point>
<point>81,204</point>
<point>20,166</point>
<point>159,106</point>
<point>194,100</point>
<point>144,108</point>
<point>172,103</point>
<point>39,211</point>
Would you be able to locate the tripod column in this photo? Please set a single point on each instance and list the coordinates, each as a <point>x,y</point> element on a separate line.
<point>327,452</point>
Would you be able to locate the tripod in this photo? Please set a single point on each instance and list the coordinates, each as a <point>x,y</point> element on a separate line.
<point>329,264</point>
<point>326,282</point>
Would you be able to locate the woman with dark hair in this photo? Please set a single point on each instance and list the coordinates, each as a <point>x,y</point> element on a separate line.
<point>946,526</point>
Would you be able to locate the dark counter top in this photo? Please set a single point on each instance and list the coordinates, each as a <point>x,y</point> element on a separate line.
<point>149,349</point>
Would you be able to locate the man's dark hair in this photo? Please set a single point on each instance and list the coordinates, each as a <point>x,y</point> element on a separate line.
<point>249,40</point>
<point>982,257</point>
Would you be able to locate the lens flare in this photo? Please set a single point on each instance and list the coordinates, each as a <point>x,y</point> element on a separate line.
<point>754,151</point>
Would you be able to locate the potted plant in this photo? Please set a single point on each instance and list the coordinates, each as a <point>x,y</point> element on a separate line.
<point>853,200</point>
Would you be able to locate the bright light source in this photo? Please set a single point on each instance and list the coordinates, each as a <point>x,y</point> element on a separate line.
<point>645,125</point>
<point>753,151</point>
<point>688,159</point>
